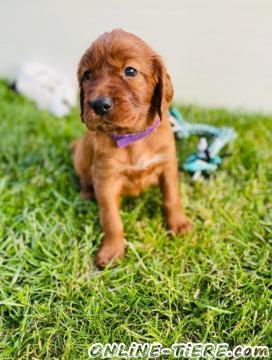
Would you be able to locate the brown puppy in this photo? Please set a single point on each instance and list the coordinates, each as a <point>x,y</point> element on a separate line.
<point>125,89</point>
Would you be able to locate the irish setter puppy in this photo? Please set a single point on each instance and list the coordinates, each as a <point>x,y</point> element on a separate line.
<point>125,93</point>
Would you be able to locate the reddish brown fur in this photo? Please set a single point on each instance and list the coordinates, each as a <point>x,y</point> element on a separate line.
<point>107,171</point>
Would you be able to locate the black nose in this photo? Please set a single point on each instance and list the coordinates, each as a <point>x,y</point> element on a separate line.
<point>101,105</point>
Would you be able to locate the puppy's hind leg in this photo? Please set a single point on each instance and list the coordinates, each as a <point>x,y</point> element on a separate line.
<point>86,190</point>
<point>82,167</point>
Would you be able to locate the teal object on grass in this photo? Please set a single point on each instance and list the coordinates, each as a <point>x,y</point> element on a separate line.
<point>206,160</point>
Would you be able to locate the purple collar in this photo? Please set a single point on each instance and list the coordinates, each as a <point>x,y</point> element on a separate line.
<point>126,139</point>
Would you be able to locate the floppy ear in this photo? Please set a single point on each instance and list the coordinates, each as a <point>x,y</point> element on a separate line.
<point>81,97</point>
<point>163,92</point>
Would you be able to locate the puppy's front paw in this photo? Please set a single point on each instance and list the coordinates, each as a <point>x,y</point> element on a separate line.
<point>110,252</point>
<point>179,224</point>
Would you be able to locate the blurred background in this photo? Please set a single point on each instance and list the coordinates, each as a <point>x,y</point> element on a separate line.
<point>218,52</point>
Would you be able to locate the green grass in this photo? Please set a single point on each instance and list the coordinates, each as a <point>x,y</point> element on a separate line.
<point>209,286</point>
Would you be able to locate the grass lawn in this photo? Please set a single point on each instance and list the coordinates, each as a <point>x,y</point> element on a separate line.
<point>209,286</point>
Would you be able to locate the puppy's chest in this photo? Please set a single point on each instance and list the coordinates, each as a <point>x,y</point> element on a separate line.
<point>135,173</point>
<point>141,172</point>
<point>143,163</point>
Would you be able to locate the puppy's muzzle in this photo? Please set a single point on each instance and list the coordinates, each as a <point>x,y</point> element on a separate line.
<point>101,105</point>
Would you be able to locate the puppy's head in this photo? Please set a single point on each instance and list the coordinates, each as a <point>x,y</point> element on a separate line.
<point>123,84</point>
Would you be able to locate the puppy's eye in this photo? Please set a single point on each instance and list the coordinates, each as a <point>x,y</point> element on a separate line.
<point>130,71</point>
<point>87,75</point>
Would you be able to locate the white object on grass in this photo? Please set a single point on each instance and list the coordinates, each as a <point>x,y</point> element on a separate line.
<point>47,88</point>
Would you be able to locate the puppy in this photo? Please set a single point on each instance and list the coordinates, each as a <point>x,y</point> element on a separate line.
<point>125,93</point>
